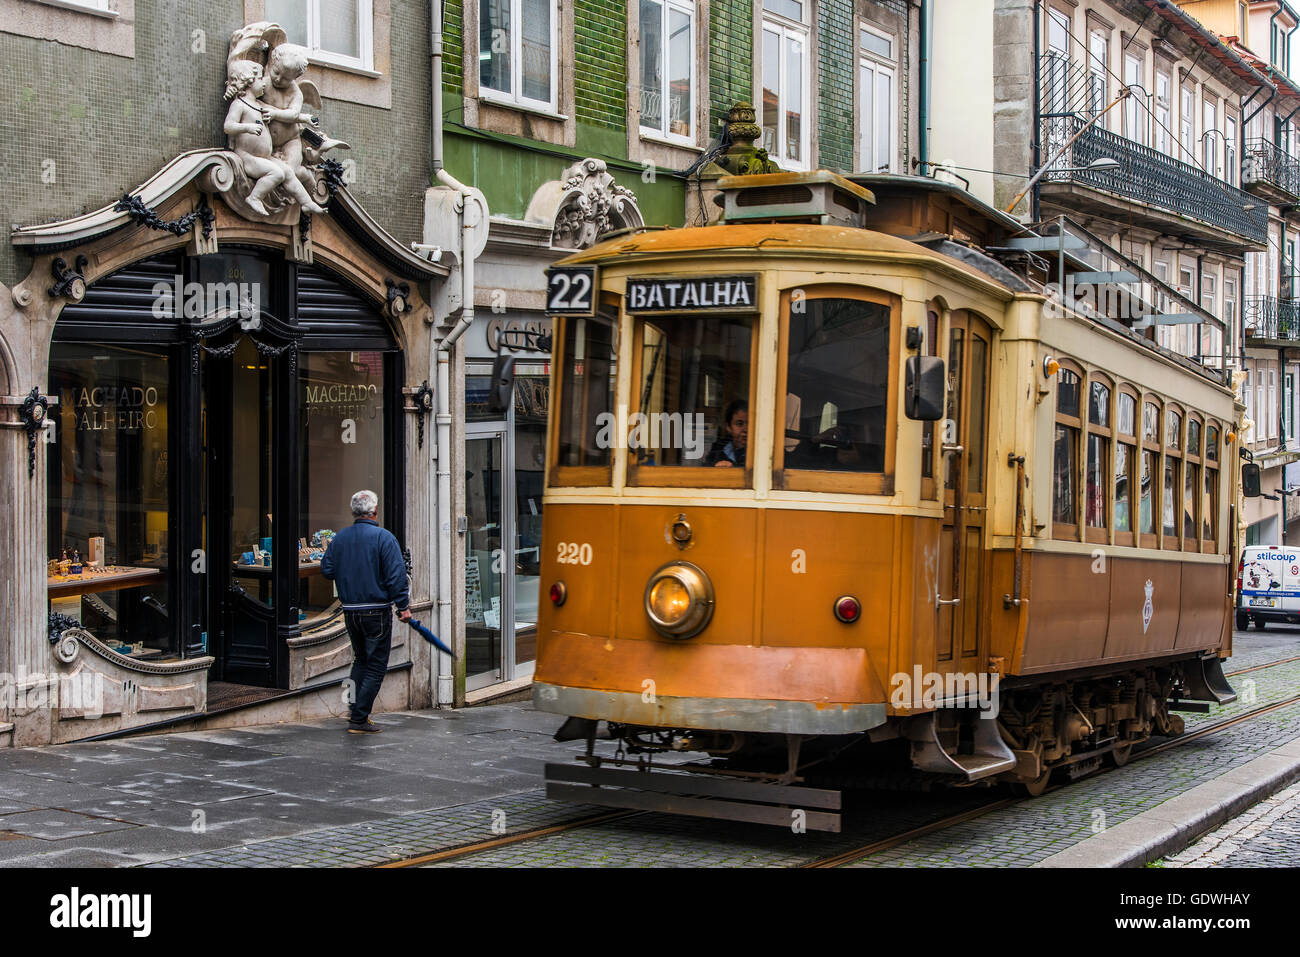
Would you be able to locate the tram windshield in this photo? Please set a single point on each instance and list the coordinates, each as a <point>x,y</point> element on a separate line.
<point>587,392</point>
<point>693,392</point>
<point>837,386</point>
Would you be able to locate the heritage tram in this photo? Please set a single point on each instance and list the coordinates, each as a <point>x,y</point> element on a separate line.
<point>839,489</point>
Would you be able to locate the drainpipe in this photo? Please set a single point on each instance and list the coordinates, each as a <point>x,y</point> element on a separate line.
<point>471,219</point>
<point>435,106</point>
<point>925,84</point>
<point>1036,140</point>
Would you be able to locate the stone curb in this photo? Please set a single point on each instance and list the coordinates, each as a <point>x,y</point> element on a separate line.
<point>1175,824</point>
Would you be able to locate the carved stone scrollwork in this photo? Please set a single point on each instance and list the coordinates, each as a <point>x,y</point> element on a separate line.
<point>399,298</point>
<point>583,204</point>
<point>69,282</point>
<point>35,410</point>
<point>67,647</point>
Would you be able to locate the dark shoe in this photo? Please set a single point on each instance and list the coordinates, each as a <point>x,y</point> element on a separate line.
<point>368,728</point>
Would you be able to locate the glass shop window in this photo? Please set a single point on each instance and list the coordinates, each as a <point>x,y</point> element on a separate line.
<point>109,567</point>
<point>341,405</point>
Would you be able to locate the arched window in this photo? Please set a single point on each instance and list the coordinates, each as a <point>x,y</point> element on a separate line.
<point>1065,468</point>
<point>1193,456</point>
<point>1149,470</point>
<point>1171,488</point>
<point>1126,461</point>
<point>1210,505</point>
<point>1097,470</point>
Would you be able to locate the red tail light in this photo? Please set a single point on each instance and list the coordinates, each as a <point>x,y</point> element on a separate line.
<point>558,594</point>
<point>847,609</point>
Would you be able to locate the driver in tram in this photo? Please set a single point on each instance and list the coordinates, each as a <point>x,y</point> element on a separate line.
<point>729,448</point>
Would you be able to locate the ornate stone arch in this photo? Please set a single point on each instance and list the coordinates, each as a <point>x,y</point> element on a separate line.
<point>583,204</point>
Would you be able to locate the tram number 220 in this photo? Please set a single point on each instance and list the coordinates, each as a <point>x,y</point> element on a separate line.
<point>571,553</point>
<point>570,290</point>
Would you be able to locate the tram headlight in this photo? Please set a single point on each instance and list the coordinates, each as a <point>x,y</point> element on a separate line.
<point>679,600</point>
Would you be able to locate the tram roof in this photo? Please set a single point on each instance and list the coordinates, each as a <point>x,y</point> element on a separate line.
<point>769,237</point>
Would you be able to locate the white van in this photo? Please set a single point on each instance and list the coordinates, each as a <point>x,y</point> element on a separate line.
<point>1268,585</point>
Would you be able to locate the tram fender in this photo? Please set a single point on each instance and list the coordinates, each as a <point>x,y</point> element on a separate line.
<point>1204,680</point>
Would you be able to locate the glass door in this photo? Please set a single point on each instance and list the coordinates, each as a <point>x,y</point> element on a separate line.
<point>488,582</point>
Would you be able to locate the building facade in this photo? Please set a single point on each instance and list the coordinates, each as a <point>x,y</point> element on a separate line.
<point>598,116</point>
<point>213,329</point>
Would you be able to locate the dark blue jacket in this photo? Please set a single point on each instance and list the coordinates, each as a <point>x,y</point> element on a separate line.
<point>366,564</point>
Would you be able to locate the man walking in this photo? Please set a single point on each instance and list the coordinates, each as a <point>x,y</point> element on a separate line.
<point>365,563</point>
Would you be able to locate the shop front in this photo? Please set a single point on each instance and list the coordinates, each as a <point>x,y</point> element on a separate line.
<point>191,398</point>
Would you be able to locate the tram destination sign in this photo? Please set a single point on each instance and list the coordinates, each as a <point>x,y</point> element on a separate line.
<point>692,294</point>
<point>571,291</point>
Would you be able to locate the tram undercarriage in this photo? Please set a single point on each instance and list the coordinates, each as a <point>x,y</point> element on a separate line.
<point>1060,729</point>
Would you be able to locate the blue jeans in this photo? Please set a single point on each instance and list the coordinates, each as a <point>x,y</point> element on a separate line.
<point>371,632</point>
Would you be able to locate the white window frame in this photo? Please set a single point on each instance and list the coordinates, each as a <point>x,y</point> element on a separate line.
<point>1135,112</point>
<point>682,6</point>
<point>97,8</point>
<point>515,96</point>
<point>1209,126</point>
<point>1187,122</point>
<point>787,29</point>
<point>1164,112</point>
<point>1099,73</point>
<point>1231,164</point>
<point>365,63</point>
<point>880,66</point>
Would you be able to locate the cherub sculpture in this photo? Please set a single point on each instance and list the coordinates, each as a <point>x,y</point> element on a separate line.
<point>282,159</point>
<point>251,141</point>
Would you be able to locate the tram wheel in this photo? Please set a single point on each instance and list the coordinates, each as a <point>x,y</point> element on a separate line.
<point>1120,755</point>
<point>1035,787</point>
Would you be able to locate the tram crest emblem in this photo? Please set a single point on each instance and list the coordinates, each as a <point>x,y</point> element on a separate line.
<point>1148,609</point>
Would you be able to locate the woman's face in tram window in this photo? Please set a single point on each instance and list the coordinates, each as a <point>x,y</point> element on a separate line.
<point>738,428</point>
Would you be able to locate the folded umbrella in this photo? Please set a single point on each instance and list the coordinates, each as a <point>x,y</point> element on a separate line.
<point>430,637</point>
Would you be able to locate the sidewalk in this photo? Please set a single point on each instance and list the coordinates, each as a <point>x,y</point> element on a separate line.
<point>140,800</point>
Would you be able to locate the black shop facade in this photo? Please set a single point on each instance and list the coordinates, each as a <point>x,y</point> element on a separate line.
<point>214,390</point>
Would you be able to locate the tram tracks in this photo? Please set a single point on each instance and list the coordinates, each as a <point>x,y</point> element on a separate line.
<point>875,847</point>
<point>849,856</point>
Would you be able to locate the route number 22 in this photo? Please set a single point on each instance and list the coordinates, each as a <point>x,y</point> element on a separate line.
<point>570,291</point>
<point>572,553</point>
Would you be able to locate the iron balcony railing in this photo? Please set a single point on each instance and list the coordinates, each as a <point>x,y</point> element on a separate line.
<point>1268,317</point>
<point>1148,176</point>
<point>1264,162</point>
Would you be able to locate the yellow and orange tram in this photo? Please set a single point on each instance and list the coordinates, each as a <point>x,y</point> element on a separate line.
<point>832,486</point>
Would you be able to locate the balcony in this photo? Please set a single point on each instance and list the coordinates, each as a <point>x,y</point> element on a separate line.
<point>1270,321</point>
<point>1270,172</point>
<point>1148,189</point>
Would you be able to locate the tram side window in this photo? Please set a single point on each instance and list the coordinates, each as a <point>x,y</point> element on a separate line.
<point>1192,484</point>
<point>587,392</point>
<point>1099,433</point>
<point>1065,471</point>
<point>693,393</point>
<point>1210,506</point>
<point>1150,466</point>
<point>837,386</point>
<point>1173,465</point>
<point>1125,463</point>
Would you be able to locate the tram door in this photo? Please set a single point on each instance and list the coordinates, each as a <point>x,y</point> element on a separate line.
<point>959,638</point>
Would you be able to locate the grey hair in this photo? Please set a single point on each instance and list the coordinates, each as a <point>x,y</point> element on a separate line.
<point>364,503</point>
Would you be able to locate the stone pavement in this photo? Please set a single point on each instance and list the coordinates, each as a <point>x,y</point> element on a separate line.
<point>311,795</point>
<point>227,796</point>
<point>1268,835</point>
